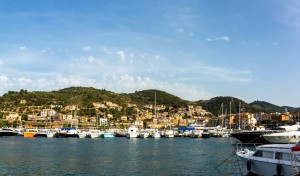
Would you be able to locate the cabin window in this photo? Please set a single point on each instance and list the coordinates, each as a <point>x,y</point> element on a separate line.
<point>258,153</point>
<point>282,156</point>
<point>278,155</point>
<point>268,154</point>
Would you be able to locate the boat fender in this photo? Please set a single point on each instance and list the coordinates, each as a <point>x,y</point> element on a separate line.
<point>249,165</point>
<point>278,169</point>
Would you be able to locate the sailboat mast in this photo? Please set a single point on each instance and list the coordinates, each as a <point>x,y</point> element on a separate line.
<point>240,115</point>
<point>222,116</point>
<point>155,104</point>
<point>230,116</point>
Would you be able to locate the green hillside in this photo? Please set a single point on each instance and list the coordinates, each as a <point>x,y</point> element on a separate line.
<point>214,105</point>
<point>84,97</point>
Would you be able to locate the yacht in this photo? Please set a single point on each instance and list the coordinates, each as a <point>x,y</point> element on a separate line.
<point>272,159</point>
<point>8,132</point>
<point>288,137</point>
<point>249,136</point>
<point>132,132</point>
<point>67,132</point>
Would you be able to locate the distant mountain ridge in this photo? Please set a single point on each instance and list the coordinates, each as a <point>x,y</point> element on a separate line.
<point>268,107</point>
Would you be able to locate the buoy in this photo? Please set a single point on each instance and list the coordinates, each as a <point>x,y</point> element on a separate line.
<point>278,169</point>
<point>249,165</point>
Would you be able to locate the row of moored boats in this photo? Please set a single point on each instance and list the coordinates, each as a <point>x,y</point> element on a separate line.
<point>131,132</point>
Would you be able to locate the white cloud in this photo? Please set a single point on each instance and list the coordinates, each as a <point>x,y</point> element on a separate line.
<point>5,84</point>
<point>225,38</point>
<point>86,48</point>
<point>224,74</point>
<point>22,48</point>
<point>1,62</point>
<point>157,56</point>
<point>24,81</point>
<point>122,55</point>
<point>91,58</point>
<point>4,78</point>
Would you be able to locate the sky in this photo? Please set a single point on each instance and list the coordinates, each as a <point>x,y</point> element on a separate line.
<point>194,49</point>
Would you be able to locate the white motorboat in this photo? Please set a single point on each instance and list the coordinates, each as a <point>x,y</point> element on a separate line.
<point>132,132</point>
<point>272,159</point>
<point>288,137</point>
<point>51,133</point>
<point>144,134</point>
<point>95,133</point>
<point>83,134</point>
<point>196,134</point>
<point>169,134</point>
<point>155,134</point>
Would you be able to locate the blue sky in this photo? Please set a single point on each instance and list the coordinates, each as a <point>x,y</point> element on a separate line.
<point>194,49</point>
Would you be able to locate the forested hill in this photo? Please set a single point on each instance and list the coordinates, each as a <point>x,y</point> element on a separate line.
<point>85,96</point>
<point>214,105</point>
<point>268,107</point>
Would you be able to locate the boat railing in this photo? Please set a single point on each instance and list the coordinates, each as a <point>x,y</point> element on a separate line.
<point>243,147</point>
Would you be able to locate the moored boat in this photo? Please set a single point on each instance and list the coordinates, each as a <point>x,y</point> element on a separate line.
<point>41,133</point>
<point>252,136</point>
<point>51,133</point>
<point>288,137</point>
<point>67,132</point>
<point>155,134</point>
<point>144,134</point>
<point>95,133</point>
<point>132,132</point>
<point>205,134</point>
<point>272,159</point>
<point>30,133</point>
<point>8,132</point>
<point>108,134</point>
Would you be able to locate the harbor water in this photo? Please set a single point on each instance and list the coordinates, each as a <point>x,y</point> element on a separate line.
<point>118,156</point>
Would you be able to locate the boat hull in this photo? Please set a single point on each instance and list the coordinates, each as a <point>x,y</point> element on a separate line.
<point>4,133</point>
<point>108,135</point>
<point>132,135</point>
<point>29,134</point>
<point>262,167</point>
<point>251,136</point>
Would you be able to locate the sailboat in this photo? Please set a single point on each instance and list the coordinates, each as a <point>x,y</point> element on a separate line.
<point>156,133</point>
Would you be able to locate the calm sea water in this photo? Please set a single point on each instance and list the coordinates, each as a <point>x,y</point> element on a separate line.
<point>118,156</point>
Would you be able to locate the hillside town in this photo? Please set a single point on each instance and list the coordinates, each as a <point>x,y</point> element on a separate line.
<point>149,116</point>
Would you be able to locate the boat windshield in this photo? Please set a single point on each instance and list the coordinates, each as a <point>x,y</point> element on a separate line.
<point>264,154</point>
<point>282,156</point>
